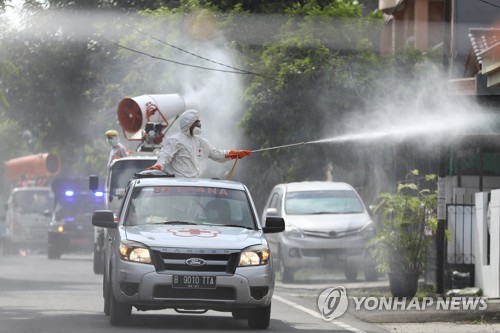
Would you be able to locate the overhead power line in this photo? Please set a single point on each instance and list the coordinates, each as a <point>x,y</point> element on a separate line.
<point>489,3</point>
<point>236,71</point>
<point>188,52</point>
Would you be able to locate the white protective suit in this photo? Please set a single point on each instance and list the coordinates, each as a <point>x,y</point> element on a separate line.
<point>182,153</point>
<point>117,151</point>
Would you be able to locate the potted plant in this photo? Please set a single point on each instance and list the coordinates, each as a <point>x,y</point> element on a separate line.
<point>400,247</point>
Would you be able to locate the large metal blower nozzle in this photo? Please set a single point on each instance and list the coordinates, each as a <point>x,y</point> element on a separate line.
<point>133,113</point>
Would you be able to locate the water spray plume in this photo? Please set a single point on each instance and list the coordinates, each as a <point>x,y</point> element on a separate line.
<point>424,129</point>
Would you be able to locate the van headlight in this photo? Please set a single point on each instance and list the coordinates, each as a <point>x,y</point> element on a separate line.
<point>136,252</point>
<point>368,230</point>
<point>254,256</point>
<point>294,232</point>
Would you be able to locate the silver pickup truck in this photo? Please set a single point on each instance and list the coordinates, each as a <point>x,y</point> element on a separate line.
<point>191,245</point>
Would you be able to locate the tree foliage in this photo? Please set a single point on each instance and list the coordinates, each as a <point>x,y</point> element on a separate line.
<point>316,66</point>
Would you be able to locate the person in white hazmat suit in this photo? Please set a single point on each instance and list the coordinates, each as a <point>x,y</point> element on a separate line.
<point>183,152</point>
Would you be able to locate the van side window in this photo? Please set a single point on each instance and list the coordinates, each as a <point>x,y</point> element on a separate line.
<point>275,200</point>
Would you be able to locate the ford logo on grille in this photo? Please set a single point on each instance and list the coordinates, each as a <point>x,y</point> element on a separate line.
<point>195,262</point>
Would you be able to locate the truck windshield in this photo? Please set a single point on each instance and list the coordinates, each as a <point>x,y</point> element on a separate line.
<point>32,201</point>
<point>84,203</point>
<point>190,205</point>
<point>124,170</point>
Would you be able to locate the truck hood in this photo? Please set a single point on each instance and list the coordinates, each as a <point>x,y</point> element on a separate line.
<point>328,222</point>
<point>208,237</point>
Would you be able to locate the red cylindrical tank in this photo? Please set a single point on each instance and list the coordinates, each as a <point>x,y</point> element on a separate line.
<point>32,166</point>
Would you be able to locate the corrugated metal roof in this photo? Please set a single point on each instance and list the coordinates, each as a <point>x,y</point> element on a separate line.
<point>482,39</point>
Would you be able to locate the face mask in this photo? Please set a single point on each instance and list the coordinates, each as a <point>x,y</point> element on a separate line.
<point>196,131</point>
<point>112,141</point>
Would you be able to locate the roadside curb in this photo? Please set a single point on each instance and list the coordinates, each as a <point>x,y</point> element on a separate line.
<point>398,315</point>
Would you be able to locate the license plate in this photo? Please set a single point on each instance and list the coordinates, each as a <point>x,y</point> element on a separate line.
<point>194,282</point>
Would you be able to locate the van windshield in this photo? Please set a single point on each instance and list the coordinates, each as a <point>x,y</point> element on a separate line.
<point>323,202</point>
<point>36,201</point>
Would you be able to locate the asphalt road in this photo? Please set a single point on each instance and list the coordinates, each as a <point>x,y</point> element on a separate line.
<point>38,295</point>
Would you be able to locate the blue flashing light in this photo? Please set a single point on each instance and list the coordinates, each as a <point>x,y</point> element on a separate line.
<point>68,219</point>
<point>69,193</point>
<point>99,194</point>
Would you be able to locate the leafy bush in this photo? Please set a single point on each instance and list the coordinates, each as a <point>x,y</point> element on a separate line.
<point>401,244</point>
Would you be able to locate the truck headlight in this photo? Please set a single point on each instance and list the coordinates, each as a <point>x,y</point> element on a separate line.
<point>136,252</point>
<point>254,256</point>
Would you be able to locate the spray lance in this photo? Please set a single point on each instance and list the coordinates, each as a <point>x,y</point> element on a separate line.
<point>272,148</point>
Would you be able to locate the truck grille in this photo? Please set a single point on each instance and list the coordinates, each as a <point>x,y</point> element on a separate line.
<point>175,259</point>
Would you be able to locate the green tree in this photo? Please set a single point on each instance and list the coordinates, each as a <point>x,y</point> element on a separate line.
<point>320,70</point>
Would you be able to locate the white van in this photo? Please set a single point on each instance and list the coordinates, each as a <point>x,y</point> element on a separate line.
<point>326,225</point>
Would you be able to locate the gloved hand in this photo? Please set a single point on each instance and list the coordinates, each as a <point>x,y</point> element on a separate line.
<point>238,154</point>
<point>154,167</point>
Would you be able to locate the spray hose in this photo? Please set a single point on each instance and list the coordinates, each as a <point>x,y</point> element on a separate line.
<point>265,149</point>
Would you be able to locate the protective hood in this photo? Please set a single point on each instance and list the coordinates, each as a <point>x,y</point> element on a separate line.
<point>187,118</point>
<point>188,236</point>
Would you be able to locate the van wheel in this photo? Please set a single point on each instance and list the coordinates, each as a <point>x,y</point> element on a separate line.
<point>350,271</point>
<point>119,313</point>
<point>287,273</point>
<point>259,318</point>
<point>371,273</point>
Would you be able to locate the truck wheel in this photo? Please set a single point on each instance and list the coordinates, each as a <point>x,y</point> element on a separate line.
<point>259,318</point>
<point>53,252</point>
<point>98,262</point>
<point>119,313</point>
<point>240,314</point>
<point>106,294</point>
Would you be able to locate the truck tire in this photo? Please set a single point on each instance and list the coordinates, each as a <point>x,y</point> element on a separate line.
<point>259,318</point>
<point>106,294</point>
<point>119,313</point>
<point>53,252</point>
<point>98,262</point>
<point>240,314</point>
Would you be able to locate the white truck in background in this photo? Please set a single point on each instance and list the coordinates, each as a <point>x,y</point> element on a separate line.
<point>28,210</point>
<point>119,173</point>
<point>28,213</point>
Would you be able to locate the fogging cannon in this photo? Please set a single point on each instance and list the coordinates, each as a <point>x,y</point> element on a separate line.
<point>33,168</point>
<point>146,118</point>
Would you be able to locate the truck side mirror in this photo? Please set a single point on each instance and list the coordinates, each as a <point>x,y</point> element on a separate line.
<point>93,182</point>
